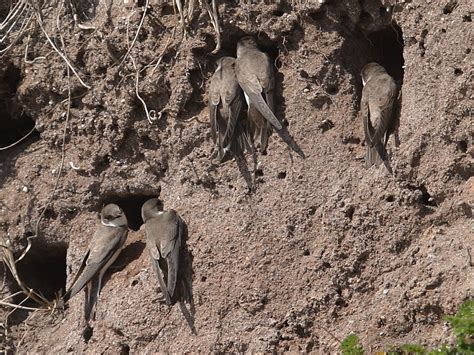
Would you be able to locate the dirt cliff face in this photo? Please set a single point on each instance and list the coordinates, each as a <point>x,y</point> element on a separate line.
<point>322,248</point>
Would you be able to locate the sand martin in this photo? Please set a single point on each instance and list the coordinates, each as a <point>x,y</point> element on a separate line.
<point>254,73</point>
<point>164,237</point>
<point>225,104</point>
<point>104,248</point>
<point>378,96</point>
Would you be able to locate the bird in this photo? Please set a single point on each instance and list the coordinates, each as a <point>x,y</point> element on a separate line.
<point>255,76</point>
<point>225,105</point>
<point>105,246</point>
<point>378,97</point>
<point>164,237</point>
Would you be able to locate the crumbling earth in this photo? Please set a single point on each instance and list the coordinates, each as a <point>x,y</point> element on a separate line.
<point>322,248</point>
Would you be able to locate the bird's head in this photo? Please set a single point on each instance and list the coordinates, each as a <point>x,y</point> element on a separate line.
<point>113,216</point>
<point>224,61</point>
<point>369,70</point>
<point>245,42</point>
<point>151,208</point>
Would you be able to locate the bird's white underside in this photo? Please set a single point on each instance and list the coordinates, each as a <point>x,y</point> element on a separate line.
<point>247,99</point>
<point>112,224</point>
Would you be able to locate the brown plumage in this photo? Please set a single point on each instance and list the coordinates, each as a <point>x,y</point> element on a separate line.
<point>255,76</point>
<point>225,105</point>
<point>378,96</point>
<point>164,237</point>
<point>104,248</point>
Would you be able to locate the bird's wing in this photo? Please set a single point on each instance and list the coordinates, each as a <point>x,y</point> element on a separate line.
<point>160,277</point>
<point>368,129</point>
<point>266,78</point>
<point>170,249</point>
<point>380,106</point>
<point>250,83</point>
<point>233,104</point>
<point>103,246</point>
<point>214,99</point>
<point>67,296</point>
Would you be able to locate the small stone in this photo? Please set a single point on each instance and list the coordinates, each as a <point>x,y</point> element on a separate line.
<point>385,291</point>
<point>25,189</point>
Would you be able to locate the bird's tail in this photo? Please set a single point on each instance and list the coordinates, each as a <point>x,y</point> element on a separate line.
<point>92,295</point>
<point>188,316</point>
<point>261,106</point>
<point>185,296</point>
<point>374,155</point>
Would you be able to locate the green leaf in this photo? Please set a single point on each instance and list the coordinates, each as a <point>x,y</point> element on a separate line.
<point>351,346</point>
<point>413,349</point>
<point>463,324</point>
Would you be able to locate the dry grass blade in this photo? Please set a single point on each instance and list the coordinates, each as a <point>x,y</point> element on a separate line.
<point>24,15</point>
<point>61,164</point>
<point>9,261</point>
<point>12,24</point>
<point>190,13</point>
<point>13,13</point>
<point>19,141</point>
<point>62,55</point>
<point>150,115</point>
<point>214,20</point>
<point>180,11</point>
<point>136,34</point>
<point>16,306</point>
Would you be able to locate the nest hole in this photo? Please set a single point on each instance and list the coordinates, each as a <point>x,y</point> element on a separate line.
<point>387,48</point>
<point>131,206</point>
<point>426,197</point>
<point>44,270</point>
<point>85,10</point>
<point>14,122</point>
<point>264,43</point>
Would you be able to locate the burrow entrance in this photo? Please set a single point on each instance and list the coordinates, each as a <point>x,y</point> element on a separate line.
<point>44,270</point>
<point>387,49</point>
<point>131,206</point>
<point>14,122</point>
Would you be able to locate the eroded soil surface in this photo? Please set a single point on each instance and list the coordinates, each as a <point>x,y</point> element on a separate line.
<point>323,247</point>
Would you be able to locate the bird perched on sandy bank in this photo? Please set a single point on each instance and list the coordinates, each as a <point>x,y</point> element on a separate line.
<point>165,238</point>
<point>225,105</point>
<point>255,76</point>
<point>378,96</point>
<point>164,234</point>
<point>105,246</point>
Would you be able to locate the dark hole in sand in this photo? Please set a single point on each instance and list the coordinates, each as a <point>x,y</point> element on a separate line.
<point>14,122</point>
<point>43,269</point>
<point>131,206</point>
<point>387,47</point>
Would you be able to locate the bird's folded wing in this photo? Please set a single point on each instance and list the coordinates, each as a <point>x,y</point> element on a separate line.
<point>67,296</point>
<point>100,253</point>
<point>368,129</point>
<point>234,106</point>
<point>381,108</point>
<point>214,99</point>
<point>257,100</point>
<point>170,249</point>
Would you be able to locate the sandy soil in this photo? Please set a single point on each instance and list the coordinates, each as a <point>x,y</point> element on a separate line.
<point>323,247</point>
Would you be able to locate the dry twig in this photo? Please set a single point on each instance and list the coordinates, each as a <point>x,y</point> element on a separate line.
<point>20,140</point>
<point>136,34</point>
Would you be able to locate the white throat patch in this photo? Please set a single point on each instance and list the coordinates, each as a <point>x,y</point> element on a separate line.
<point>247,99</point>
<point>111,224</point>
